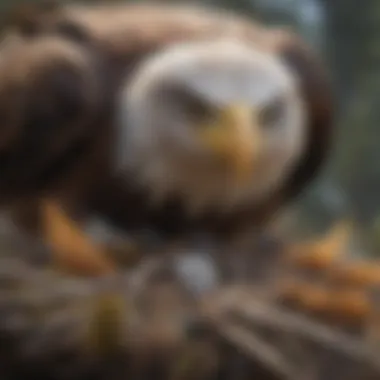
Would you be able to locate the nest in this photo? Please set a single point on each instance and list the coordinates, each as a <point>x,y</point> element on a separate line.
<point>184,314</point>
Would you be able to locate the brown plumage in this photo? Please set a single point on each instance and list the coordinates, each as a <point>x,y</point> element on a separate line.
<point>63,147</point>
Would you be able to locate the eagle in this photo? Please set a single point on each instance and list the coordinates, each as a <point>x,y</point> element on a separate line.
<point>181,120</point>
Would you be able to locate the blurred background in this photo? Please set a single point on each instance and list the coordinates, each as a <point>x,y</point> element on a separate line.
<point>348,38</point>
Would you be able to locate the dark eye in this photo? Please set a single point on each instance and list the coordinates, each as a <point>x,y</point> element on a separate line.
<point>190,103</point>
<point>272,113</point>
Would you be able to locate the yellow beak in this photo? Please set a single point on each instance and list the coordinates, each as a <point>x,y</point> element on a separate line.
<point>235,137</point>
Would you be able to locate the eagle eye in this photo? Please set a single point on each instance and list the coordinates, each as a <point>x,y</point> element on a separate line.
<point>272,113</point>
<point>190,104</point>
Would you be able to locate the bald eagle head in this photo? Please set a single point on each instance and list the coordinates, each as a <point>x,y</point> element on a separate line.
<point>219,123</point>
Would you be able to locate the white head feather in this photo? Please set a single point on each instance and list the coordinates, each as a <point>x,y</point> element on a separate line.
<point>157,142</point>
